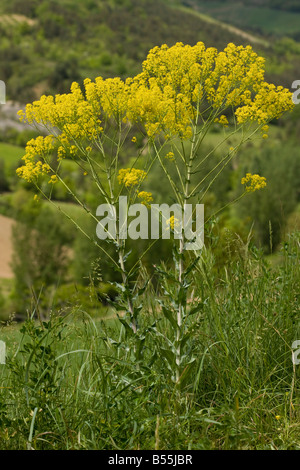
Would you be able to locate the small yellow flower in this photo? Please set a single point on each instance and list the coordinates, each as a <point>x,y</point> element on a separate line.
<point>53,179</point>
<point>172,222</point>
<point>222,120</point>
<point>131,176</point>
<point>170,156</point>
<point>61,153</point>
<point>278,417</point>
<point>36,198</point>
<point>146,198</point>
<point>73,150</point>
<point>253,182</point>
<point>133,139</point>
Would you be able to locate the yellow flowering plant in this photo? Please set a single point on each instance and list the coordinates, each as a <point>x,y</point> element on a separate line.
<point>181,93</point>
<point>91,128</point>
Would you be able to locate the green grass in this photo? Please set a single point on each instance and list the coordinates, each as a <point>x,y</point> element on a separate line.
<point>5,285</point>
<point>224,24</point>
<point>79,383</point>
<point>72,210</point>
<point>10,154</point>
<point>266,20</point>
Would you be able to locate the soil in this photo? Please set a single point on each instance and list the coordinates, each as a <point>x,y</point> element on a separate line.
<point>5,247</point>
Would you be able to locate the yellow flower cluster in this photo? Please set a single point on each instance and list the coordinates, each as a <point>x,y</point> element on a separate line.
<point>176,80</point>
<point>222,120</point>
<point>264,131</point>
<point>53,179</point>
<point>170,156</point>
<point>36,148</point>
<point>172,222</point>
<point>146,198</point>
<point>71,113</point>
<point>108,97</point>
<point>131,176</point>
<point>167,96</point>
<point>269,103</point>
<point>253,182</point>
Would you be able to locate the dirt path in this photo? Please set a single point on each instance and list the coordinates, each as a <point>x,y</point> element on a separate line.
<point>5,247</point>
<point>233,29</point>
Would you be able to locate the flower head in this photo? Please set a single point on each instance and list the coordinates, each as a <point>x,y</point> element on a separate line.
<point>253,182</point>
<point>53,179</point>
<point>146,198</point>
<point>222,120</point>
<point>131,176</point>
<point>172,222</point>
<point>170,156</point>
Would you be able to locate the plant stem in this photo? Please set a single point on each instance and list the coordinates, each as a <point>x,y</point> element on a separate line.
<point>125,282</point>
<point>180,311</point>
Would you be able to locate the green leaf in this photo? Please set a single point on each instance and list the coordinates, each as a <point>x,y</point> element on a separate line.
<point>168,355</point>
<point>170,317</point>
<point>128,329</point>
<point>196,309</point>
<point>191,266</point>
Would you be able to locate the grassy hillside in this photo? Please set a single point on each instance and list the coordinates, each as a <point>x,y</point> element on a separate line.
<point>277,18</point>
<point>78,381</point>
<point>11,154</point>
<point>54,43</point>
<point>46,45</point>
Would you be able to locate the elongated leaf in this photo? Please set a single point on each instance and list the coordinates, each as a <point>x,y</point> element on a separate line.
<point>170,317</point>
<point>191,266</point>
<point>196,309</point>
<point>168,355</point>
<point>128,330</point>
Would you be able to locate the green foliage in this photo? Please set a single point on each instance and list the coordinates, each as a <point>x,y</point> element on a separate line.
<point>271,208</point>
<point>4,185</point>
<point>70,295</point>
<point>265,17</point>
<point>10,158</point>
<point>70,40</point>
<point>76,383</point>
<point>40,255</point>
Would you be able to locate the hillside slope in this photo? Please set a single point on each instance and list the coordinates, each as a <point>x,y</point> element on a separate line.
<point>58,42</point>
<point>266,17</point>
<point>48,44</point>
<point>6,247</point>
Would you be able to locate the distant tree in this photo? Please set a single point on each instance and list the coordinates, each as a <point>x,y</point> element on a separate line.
<point>4,185</point>
<point>276,202</point>
<point>64,74</point>
<point>39,253</point>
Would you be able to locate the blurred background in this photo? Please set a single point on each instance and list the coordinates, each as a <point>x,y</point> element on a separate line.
<point>45,45</point>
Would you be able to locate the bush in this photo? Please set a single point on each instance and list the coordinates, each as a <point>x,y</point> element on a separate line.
<point>40,256</point>
<point>269,210</point>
